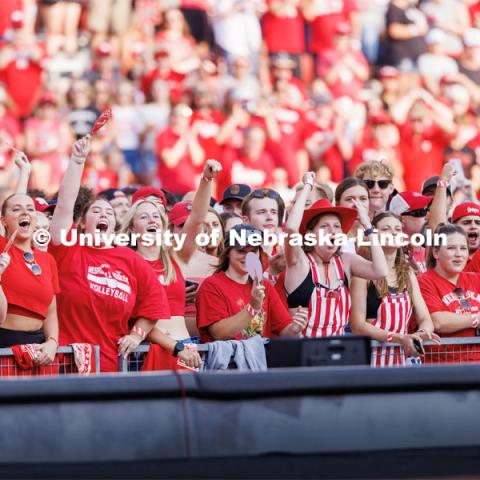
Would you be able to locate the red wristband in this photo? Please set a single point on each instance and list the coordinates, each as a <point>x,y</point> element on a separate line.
<point>139,331</point>
<point>54,339</point>
<point>207,179</point>
<point>250,310</point>
<point>442,183</point>
<point>389,337</point>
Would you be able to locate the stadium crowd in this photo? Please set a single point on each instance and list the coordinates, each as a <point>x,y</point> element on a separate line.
<point>253,116</point>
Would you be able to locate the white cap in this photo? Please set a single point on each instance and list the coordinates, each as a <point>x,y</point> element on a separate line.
<point>435,35</point>
<point>471,38</point>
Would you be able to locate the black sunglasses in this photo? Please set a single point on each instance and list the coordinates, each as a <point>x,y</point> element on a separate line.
<point>464,302</point>
<point>31,264</point>
<point>265,192</point>
<point>383,184</point>
<point>422,212</point>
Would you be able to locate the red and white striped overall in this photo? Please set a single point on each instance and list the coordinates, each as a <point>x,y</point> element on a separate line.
<point>328,310</point>
<point>393,315</point>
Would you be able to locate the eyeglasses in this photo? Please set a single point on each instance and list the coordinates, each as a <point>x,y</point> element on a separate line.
<point>31,264</point>
<point>464,302</point>
<point>383,184</point>
<point>265,192</point>
<point>420,213</point>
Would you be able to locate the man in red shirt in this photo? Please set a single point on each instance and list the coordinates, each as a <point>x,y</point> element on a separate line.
<point>467,216</point>
<point>426,127</point>
<point>179,153</point>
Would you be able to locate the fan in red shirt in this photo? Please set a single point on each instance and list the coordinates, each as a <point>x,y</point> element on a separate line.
<point>28,306</point>
<point>426,128</point>
<point>325,140</point>
<point>283,27</point>
<point>324,16</point>
<point>21,70</point>
<point>102,287</point>
<point>169,264</point>
<point>452,295</point>
<point>344,68</point>
<point>252,164</point>
<point>231,306</point>
<point>179,152</point>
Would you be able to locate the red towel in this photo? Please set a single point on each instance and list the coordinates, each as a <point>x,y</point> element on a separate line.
<point>84,355</point>
<point>159,359</point>
<point>22,363</point>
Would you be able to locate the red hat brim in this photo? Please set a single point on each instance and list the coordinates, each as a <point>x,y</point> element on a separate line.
<point>347,216</point>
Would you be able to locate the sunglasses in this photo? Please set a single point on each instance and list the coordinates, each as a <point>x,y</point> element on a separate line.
<point>265,192</point>
<point>422,212</point>
<point>30,262</point>
<point>383,184</point>
<point>464,302</point>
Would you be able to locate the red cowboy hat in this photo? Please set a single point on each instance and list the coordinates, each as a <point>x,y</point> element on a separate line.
<point>320,207</point>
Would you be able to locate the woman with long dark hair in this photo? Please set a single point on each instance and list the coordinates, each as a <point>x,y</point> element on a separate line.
<point>383,308</point>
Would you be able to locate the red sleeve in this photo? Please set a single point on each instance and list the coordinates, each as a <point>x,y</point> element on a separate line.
<point>60,252</point>
<point>152,301</point>
<point>277,313</point>
<point>474,264</point>
<point>211,304</point>
<point>54,270</point>
<point>430,294</point>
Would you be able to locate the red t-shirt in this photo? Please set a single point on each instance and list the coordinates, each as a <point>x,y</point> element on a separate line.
<point>323,26</point>
<point>175,291</point>
<point>101,289</point>
<point>181,178</point>
<point>421,155</point>
<point>219,297</point>
<point>29,294</point>
<point>347,83</point>
<point>473,264</point>
<point>208,126</point>
<point>284,34</point>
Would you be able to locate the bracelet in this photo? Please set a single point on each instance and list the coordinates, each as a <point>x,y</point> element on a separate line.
<point>442,183</point>
<point>250,310</point>
<point>139,331</point>
<point>310,185</point>
<point>207,179</point>
<point>54,339</point>
<point>368,231</point>
<point>389,337</point>
<point>474,320</point>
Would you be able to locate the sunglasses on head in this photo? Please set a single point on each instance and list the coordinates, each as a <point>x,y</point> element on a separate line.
<point>416,213</point>
<point>265,192</point>
<point>464,302</point>
<point>30,262</point>
<point>383,184</point>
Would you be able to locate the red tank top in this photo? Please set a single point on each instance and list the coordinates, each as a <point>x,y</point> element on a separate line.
<point>175,290</point>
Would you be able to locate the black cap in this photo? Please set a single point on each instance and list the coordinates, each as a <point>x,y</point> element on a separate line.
<point>237,191</point>
<point>111,193</point>
<point>251,236</point>
<point>432,182</point>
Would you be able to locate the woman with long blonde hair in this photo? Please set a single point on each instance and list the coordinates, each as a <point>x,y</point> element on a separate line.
<point>170,262</point>
<point>383,307</point>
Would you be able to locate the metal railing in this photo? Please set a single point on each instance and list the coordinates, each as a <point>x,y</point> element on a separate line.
<point>64,364</point>
<point>454,350</point>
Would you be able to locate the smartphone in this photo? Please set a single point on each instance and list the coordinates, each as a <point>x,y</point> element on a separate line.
<point>189,283</point>
<point>418,346</point>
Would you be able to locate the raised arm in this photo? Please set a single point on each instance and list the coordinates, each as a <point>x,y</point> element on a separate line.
<point>200,205</point>
<point>4,262</point>
<point>63,214</point>
<point>294,253</point>
<point>438,207</point>
<point>360,267</point>
<point>21,161</point>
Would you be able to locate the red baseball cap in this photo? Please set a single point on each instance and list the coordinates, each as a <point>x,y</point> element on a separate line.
<point>179,213</point>
<point>145,192</point>
<point>466,209</point>
<point>408,202</point>
<point>380,119</point>
<point>104,49</point>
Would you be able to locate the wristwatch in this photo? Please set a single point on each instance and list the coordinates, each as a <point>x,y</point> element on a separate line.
<point>369,231</point>
<point>179,347</point>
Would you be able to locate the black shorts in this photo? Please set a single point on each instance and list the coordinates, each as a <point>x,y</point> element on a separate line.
<point>9,338</point>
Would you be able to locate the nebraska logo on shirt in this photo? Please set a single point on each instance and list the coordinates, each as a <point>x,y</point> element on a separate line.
<point>113,284</point>
<point>451,297</point>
